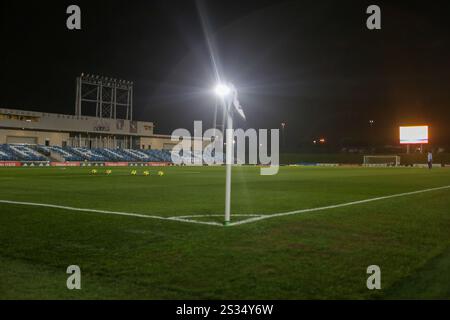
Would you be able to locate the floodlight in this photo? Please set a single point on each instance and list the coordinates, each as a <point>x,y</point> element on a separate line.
<point>222,90</point>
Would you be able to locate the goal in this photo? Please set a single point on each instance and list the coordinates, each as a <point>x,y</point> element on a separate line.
<point>381,161</point>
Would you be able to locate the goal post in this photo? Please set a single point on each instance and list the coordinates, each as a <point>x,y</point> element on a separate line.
<point>381,161</point>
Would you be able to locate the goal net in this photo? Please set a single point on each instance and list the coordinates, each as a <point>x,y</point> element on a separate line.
<point>381,161</point>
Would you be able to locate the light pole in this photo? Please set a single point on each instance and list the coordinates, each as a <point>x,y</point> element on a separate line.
<point>371,136</point>
<point>224,93</point>
<point>283,125</point>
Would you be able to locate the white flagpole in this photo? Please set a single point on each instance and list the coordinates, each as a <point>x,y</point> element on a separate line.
<point>229,161</point>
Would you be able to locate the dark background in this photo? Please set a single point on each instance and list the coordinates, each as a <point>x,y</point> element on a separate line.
<point>311,64</point>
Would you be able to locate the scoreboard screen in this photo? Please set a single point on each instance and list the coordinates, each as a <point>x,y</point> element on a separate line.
<point>414,135</point>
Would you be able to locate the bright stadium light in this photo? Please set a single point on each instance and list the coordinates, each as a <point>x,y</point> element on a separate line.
<point>222,90</point>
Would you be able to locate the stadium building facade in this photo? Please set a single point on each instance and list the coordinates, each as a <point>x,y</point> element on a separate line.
<point>39,138</point>
<point>50,129</point>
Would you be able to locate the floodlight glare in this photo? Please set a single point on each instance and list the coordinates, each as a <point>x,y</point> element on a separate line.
<point>222,90</point>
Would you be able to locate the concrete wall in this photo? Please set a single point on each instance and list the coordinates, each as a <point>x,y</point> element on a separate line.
<point>156,143</point>
<point>55,138</point>
<point>161,142</point>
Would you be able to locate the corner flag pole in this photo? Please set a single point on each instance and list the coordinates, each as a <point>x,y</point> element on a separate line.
<point>229,98</point>
<point>229,161</point>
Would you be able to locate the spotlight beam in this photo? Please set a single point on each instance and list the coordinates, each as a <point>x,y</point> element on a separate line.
<point>209,40</point>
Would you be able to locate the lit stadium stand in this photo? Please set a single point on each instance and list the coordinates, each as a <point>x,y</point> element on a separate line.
<point>22,153</point>
<point>46,153</point>
<point>113,154</point>
<point>5,153</point>
<point>185,157</point>
<point>159,155</point>
<point>90,155</point>
<point>137,154</point>
<point>63,154</point>
<point>39,153</point>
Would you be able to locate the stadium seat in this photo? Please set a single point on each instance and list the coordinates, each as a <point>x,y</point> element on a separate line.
<point>65,153</point>
<point>138,155</point>
<point>157,156</point>
<point>21,152</point>
<point>113,154</point>
<point>57,153</point>
<point>90,155</point>
<point>6,154</point>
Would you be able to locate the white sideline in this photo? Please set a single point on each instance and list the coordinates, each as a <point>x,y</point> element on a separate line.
<point>254,217</point>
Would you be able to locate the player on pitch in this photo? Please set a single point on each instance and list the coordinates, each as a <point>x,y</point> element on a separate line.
<point>430,160</point>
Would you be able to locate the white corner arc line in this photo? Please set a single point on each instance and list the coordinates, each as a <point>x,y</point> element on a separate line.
<point>282,214</point>
<point>211,223</point>
<point>254,217</point>
<point>215,215</point>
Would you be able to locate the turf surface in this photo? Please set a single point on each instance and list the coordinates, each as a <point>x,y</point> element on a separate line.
<point>320,255</point>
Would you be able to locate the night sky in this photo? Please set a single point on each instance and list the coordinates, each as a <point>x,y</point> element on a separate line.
<point>311,64</point>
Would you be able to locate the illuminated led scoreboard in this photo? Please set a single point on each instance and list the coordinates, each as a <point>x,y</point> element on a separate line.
<point>414,135</point>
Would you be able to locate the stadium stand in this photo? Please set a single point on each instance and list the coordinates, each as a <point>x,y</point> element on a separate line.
<point>162,155</point>
<point>157,156</point>
<point>114,154</point>
<point>17,152</point>
<point>137,155</point>
<point>215,157</point>
<point>64,153</point>
<point>90,155</point>
<point>5,154</point>
<point>185,157</point>
<point>23,153</point>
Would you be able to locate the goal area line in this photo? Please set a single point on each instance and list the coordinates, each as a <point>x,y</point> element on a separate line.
<point>252,218</point>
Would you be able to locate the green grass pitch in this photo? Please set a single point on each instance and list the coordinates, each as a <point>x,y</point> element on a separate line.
<point>312,255</point>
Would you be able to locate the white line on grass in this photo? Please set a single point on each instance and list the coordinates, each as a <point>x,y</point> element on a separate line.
<point>129,214</point>
<point>254,217</point>
<point>334,206</point>
<point>215,215</point>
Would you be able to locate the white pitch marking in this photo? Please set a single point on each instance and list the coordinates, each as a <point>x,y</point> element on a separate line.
<point>195,221</point>
<point>105,211</point>
<point>334,206</point>
<point>254,219</point>
<point>216,215</point>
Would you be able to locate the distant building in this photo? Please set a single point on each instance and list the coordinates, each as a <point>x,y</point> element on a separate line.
<point>51,129</point>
